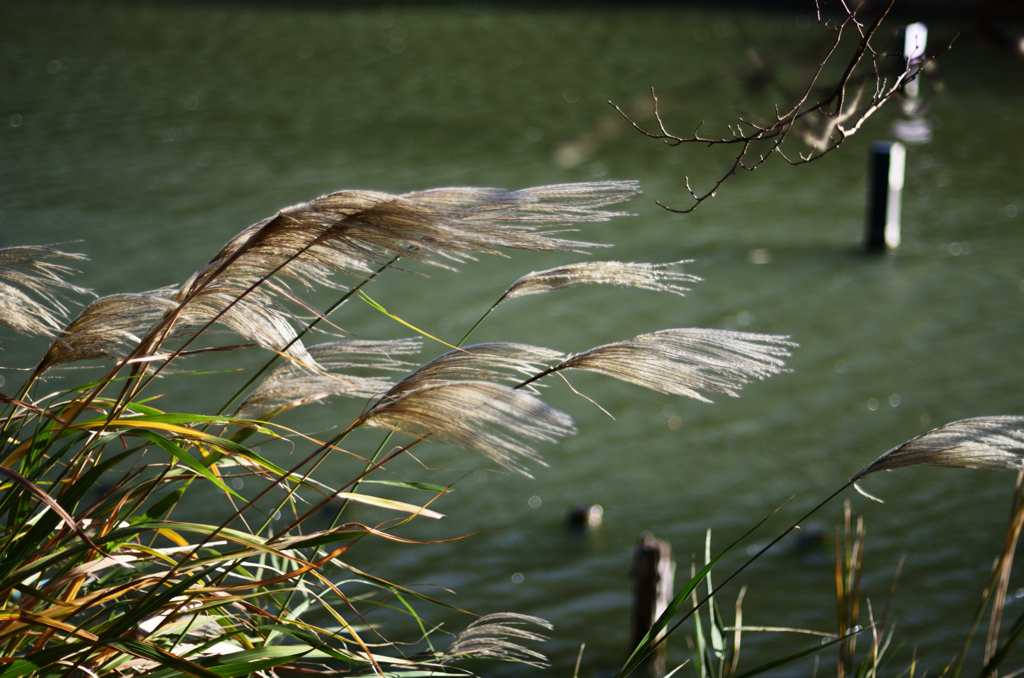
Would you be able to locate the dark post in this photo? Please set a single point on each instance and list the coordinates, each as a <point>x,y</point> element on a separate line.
<point>888,162</point>
<point>653,573</point>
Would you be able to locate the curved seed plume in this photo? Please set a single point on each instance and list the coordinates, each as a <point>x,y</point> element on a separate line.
<point>554,204</point>
<point>254,316</point>
<point>25,266</point>
<point>487,362</point>
<point>292,385</point>
<point>108,328</point>
<point>984,442</point>
<point>487,417</point>
<point>348,231</point>
<point>655,277</point>
<point>497,636</point>
<point>345,232</point>
<point>688,361</point>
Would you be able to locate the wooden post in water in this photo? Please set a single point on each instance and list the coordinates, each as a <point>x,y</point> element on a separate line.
<point>653,573</point>
<point>889,159</point>
<point>888,163</point>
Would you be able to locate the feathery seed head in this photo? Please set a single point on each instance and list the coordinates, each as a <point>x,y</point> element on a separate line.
<point>25,266</point>
<point>687,361</point>
<point>488,417</point>
<point>292,385</point>
<point>109,328</point>
<point>486,362</point>
<point>497,636</point>
<point>346,232</point>
<point>984,442</point>
<point>655,277</point>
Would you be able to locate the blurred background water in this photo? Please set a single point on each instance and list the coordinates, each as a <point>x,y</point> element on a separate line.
<point>153,132</point>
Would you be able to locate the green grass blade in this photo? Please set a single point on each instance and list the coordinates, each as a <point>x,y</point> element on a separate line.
<point>181,455</point>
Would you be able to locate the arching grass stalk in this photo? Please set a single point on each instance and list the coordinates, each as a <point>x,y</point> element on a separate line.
<point>371,463</point>
<point>472,329</point>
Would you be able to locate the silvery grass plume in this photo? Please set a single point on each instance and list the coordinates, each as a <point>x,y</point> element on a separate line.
<point>984,442</point>
<point>488,417</point>
<point>345,232</point>
<point>350,231</point>
<point>687,362</point>
<point>25,266</point>
<point>498,361</point>
<point>497,636</point>
<point>110,327</point>
<point>654,277</point>
<point>255,316</point>
<point>292,385</point>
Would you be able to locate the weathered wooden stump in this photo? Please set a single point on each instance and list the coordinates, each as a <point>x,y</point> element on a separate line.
<point>653,574</point>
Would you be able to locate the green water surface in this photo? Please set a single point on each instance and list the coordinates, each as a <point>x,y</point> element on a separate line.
<point>153,132</point>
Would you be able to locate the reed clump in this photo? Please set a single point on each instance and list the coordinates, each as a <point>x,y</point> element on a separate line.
<point>97,574</point>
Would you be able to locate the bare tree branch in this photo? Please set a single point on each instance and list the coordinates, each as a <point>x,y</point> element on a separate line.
<point>821,124</point>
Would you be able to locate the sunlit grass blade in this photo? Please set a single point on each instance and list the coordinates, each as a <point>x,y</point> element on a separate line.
<point>389,504</point>
<point>647,645</point>
<point>782,661</point>
<point>374,304</point>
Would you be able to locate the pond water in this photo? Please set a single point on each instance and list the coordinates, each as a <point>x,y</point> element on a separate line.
<point>154,132</point>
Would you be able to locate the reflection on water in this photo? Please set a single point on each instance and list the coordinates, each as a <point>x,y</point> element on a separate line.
<point>155,133</point>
